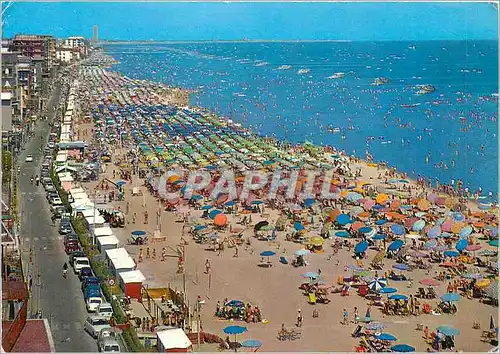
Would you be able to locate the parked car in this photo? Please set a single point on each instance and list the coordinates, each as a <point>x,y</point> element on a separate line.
<point>72,246</point>
<point>29,158</point>
<point>85,272</point>
<point>51,195</point>
<point>105,309</point>
<point>65,228</point>
<point>109,345</point>
<point>74,255</point>
<point>93,303</point>
<point>107,332</point>
<point>94,324</point>
<point>79,263</point>
<point>49,187</point>
<point>59,211</point>
<point>56,201</point>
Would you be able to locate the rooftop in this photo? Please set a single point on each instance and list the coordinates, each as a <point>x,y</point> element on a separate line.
<point>35,337</point>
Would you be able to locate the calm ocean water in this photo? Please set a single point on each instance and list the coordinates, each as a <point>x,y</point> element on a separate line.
<point>287,90</point>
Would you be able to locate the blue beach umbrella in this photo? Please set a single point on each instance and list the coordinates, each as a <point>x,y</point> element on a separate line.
<point>365,230</point>
<point>419,225</point>
<point>377,284</point>
<point>381,222</point>
<point>311,275</point>
<point>353,196</point>
<point>445,235</point>
<point>398,297</point>
<point>493,243</point>
<point>309,202</point>
<point>466,231</point>
<point>401,266</point>
<point>206,207</point>
<point>461,245</point>
<point>402,348</point>
<point>451,254</point>
<point>138,233</point>
<point>257,202</point>
<point>343,219</point>
<point>397,229</point>
<point>386,336</point>
<point>361,247</point>
<point>448,331</point>
<point>196,197</point>
<point>235,303</point>
<point>450,297</point>
<point>267,253</point>
<point>388,290</point>
<point>251,343</point>
<point>230,203</point>
<point>120,183</point>
<point>434,232</point>
<point>200,227</point>
<point>343,234</point>
<point>378,237</point>
<point>375,326</point>
<point>458,216</point>
<point>213,213</point>
<point>302,252</point>
<point>234,330</point>
<point>396,245</point>
<point>298,226</point>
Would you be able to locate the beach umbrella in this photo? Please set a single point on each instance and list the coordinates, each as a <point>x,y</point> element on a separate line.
<point>418,254</point>
<point>430,282</point>
<point>451,254</point>
<point>458,216</point>
<point>355,211</point>
<point>419,225</point>
<point>235,303</point>
<point>199,227</point>
<point>260,225</point>
<point>206,207</point>
<point>298,226</point>
<point>396,245</point>
<point>387,290</point>
<point>235,330</point>
<point>138,233</point>
<point>381,198</point>
<point>120,183</point>
<point>401,266</point>
<point>483,283</point>
<point>375,326</point>
<point>448,331</point>
<point>493,243</point>
<point>316,241</point>
<point>461,245</point>
<point>447,225</point>
<point>251,343</point>
<point>378,237</point>
<point>230,203</point>
<point>473,248</point>
<point>302,252</point>
<point>397,229</point>
<point>386,336</point>
<point>473,276</point>
<point>377,284</point>
<point>343,219</point>
<point>361,247</point>
<point>450,297</point>
<point>353,196</point>
<point>343,234</point>
<point>365,230</point>
<point>380,222</point>
<point>423,205</point>
<point>434,231</point>
<point>267,254</point>
<point>355,268</point>
<point>398,297</point>
<point>220,220</point>
<point>487,253</point>
<point>466,231</point>
<point>492,290</point>
<point>213,213</point>
<point>311,275</point>
<point>402,348</point>
<point>309,202</point>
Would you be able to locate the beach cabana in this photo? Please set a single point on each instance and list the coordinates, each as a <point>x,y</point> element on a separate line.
<point>131,283</point>
<point>119,260</point>
<point>103,231</point>
<point>173,341</point>
<point>97,221</point>
<point>105,243</point>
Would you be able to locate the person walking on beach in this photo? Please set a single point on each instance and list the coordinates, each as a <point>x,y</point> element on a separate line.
<point>355,315</point>
<point>146,217</point>
<point>134,217</point>
<point>345,322</point>
<point>299,318</point>
<point>207,267</point>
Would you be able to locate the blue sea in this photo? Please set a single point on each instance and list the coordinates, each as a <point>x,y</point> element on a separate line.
<point>289,90</point>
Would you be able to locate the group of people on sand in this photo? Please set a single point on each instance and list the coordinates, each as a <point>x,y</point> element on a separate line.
<point>242,312</point>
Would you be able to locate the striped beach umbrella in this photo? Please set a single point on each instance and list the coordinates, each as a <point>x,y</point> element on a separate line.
<point>377,284</point>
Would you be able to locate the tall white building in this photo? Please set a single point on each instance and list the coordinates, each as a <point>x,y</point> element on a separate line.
<point>74,42</point>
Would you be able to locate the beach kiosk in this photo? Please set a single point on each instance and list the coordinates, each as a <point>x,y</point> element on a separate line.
<point>103,231</point>
<point>119,260</point>
<point>131,283</point>
<point>95,221</point>
<point>173,341</point>
<point>105,243</point>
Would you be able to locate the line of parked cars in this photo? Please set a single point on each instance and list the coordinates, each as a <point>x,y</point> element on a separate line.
<point>100,312</point>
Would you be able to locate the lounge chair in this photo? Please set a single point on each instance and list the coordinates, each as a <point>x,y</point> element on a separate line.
<point>421,293</point>
<point>283,260</point>
<point>357,331</point>
<point>431,293</point>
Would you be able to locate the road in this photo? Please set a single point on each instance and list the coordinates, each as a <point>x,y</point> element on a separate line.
<point>60,299</point>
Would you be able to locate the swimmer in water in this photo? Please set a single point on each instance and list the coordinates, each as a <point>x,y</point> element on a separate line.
<point>452,163</point>
<point>471,170</point>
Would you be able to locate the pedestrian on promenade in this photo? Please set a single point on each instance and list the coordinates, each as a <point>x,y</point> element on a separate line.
<point>345,322</point>
<point>148,255</point>
<point>146,216</point>
<point>207,267</point>
<point>134,217</point>
<point>299,318</point>
<point>163,254</point>
<point>140,255</point>
<point>154,253</point>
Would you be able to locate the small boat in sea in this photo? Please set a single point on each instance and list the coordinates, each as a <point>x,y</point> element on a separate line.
<point>303,71</point>
<point>262,63</point>
<point>425,89</point>
<point>336,76</point>
<point>285,67</point>
<point>380,81</point>
<point>331,129</point>
<point>410,105</point>
<point>411,47</point>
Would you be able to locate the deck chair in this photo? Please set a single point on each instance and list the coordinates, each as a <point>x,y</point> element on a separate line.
<point>312,298</point>
<point>357,331</point>
<point>431,293</point>
<point>283,260</point>
<point>345,291</point>
<point>421,293</point>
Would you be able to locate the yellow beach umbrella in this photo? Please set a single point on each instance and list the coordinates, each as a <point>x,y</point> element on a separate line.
<point>483,283</point>
<point>381,198</point>
<point>316,241</point>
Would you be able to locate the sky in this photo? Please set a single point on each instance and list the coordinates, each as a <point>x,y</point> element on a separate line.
<point>271,21</point>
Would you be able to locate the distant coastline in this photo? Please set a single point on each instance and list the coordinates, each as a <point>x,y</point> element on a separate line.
<point>154,41</point>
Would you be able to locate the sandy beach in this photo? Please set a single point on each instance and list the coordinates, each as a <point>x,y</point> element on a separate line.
<point>237,271</point>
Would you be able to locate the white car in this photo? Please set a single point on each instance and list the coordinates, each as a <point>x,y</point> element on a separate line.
<point>56,201</point>
<point>29,158</point>
<point>105,309</point>
<point>94,324</point>
<point>93,304</point>
<point>109,345</point>
<point>79,263</point>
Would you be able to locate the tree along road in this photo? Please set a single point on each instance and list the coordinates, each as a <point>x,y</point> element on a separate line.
<point>60,300</point>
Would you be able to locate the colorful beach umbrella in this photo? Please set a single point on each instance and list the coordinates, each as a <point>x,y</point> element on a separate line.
<point>402,348</point>
<point>396,245</point>
<point>461,245</point>
<point>450,297</point>
<point>448,331</point>
<point>398,229</point>
<point>361,247</point>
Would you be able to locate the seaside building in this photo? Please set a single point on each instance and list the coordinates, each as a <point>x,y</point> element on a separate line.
<point>95,36</point>
<point>35,46</point>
